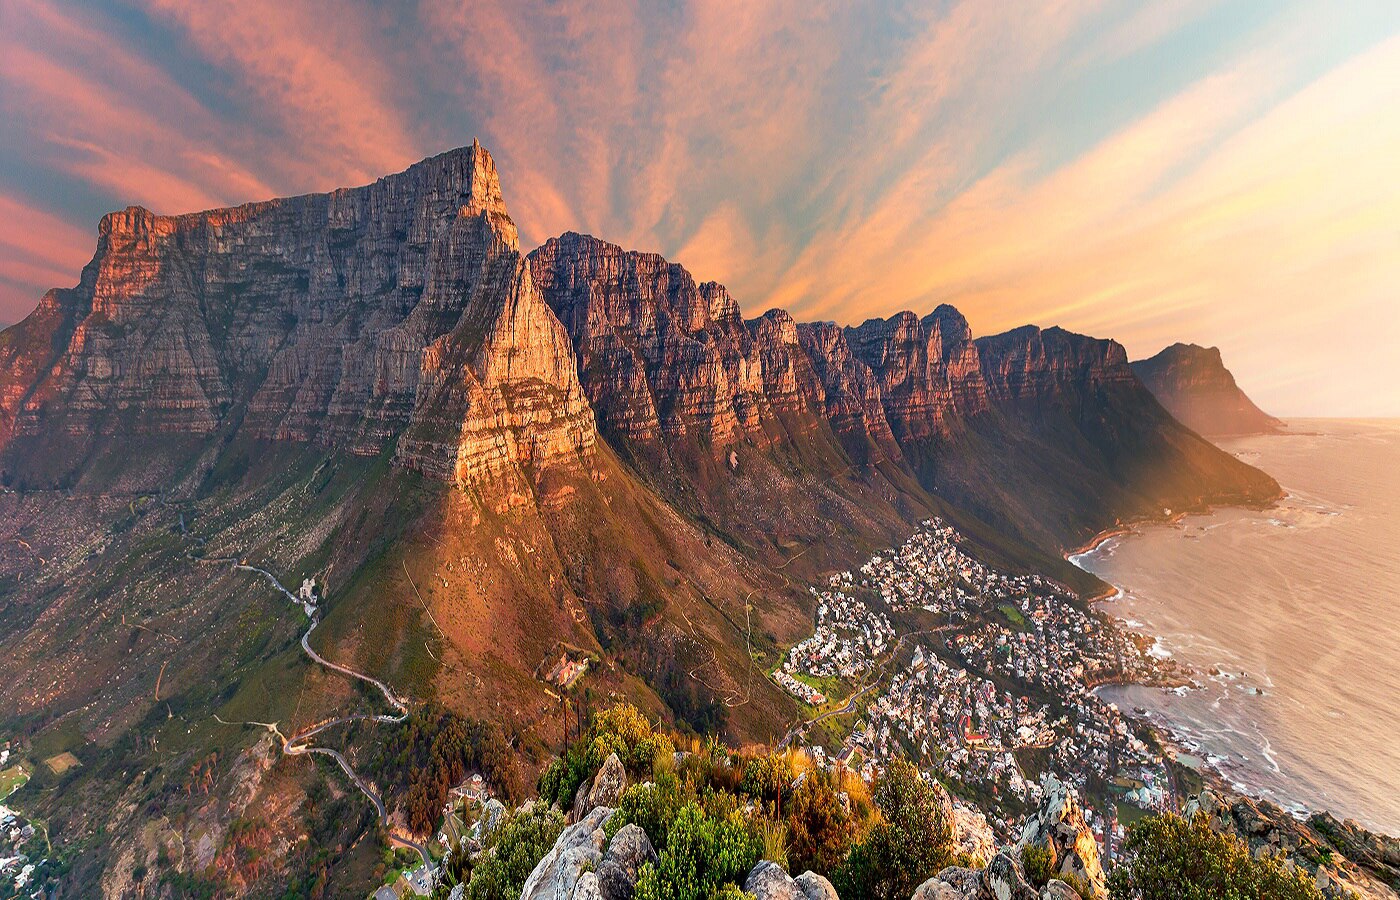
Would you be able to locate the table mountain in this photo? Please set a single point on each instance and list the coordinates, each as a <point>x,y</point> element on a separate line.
<point>1192,382</point>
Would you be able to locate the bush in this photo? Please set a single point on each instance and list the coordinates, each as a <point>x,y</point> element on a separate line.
<point>911,843</point>
<point>620,729</point>
<point>1170,858</point>
<point>512,851</point>
<point>704,858</point>
<point>820,830</point>
<point>652,808</point>
<point>1037,862</point>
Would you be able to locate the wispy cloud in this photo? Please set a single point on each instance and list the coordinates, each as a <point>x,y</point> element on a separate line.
<point>1154,172</point>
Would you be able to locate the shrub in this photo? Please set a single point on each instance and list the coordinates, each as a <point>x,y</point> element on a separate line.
<point>1036,860</point>
<point>704,858</point>
<point>909,845</point>
<point>512,851</point>
<point>652,808</point>
<point>620,729</point>
<point>820,830</point>
<point>1171,858</point>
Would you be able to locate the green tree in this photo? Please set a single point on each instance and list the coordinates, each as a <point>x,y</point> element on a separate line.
<point>912,841</point>
<point>1171,858</point>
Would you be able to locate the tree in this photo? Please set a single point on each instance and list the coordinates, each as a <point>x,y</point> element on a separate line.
<point>512,851</point>
<point>820,829</point>
<point>912,841</point>
<point>1171,858</point>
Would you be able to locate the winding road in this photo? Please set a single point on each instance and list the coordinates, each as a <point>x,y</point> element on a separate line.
<point>297,745</point>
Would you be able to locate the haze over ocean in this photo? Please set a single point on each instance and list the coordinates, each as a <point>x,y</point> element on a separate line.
<point>1296,607</point>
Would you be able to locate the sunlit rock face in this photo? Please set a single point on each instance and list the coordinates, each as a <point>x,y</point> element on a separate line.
<point>345,319</point>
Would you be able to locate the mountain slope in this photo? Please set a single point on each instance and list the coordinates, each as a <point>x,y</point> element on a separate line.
<point>1193,383</point>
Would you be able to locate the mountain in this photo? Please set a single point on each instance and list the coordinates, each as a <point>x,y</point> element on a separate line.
<point>488,462</point>
<point>1193,383</point>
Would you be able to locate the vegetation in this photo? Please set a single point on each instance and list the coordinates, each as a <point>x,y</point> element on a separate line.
<point>512,851</point>
<point>820,827</point>
<point>1039,865</point>
<point>435,750</point>
<point>705,857</point>
<point>1171,858</point>
<point>620,729</point>
<point>910,843</point>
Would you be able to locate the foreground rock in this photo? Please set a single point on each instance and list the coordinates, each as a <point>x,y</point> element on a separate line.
<point>770,881</point>
<point>629,851</point>
<point>1059,826</point>
<point>604,790</point>
<point>560,875</point>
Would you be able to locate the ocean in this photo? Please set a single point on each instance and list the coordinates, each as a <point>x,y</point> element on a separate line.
<point>1292,617</point>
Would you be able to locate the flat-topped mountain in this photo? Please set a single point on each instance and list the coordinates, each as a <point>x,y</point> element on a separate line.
<point>1192,382</point>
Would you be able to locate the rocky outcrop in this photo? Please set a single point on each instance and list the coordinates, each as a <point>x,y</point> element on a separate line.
<point>629,850</point>
<point>567,871</point>
<point>1058,825</point>
<point>770,881</point>
<point>1343,859</point>
<point>1194,385</point>
<point>928,371</point>
<point>604,790</point>
<point>349,319</point>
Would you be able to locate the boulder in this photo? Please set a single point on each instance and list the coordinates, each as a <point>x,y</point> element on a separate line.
<point>629,851</point>
<point>770,881</point>
<point>1004,880</point>
<point>934,889</point>
<point>579,846</point>
<point>973,837</point>
<point>587,887</point>
<point>815,887</point>
<point>605,789</point>
<point>1058,890</point>
<point>966,882</point>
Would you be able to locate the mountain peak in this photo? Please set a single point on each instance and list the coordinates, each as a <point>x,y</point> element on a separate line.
<point>1192,382</point>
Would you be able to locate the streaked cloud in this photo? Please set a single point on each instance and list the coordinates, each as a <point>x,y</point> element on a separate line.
<point>1176,170</point>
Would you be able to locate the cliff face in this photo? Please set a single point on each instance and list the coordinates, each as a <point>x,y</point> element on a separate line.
<point>1194,385</point>
<point>344,319</point>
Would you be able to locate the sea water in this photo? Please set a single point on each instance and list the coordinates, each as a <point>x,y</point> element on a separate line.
<point>1292,617</point>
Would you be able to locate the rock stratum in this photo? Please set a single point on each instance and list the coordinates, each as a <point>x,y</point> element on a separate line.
<point>1193,383</point>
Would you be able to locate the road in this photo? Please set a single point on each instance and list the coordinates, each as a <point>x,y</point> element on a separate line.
<point>297,745</point>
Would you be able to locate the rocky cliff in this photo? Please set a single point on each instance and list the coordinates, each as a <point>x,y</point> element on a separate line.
<point>344,319</point>
<point>1193,383</point>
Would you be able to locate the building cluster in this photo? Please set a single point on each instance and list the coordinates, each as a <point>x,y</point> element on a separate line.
<point>850,636</point>
<point>1005,677</point>
<point>15,865</point>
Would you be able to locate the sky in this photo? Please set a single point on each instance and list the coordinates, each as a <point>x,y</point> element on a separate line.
<point>1222,173</point>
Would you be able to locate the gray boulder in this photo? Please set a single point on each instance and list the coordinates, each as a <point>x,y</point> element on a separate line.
<point>605,789</point>
<point>769,881</point>
<point>1058,890</point>
<point>934,889</point>
<point>1004,880</point>
<point>815,887</point>
<point>966,882</point>
<point>579,846</point>
<point>629,851</point>
<point>587,887</point>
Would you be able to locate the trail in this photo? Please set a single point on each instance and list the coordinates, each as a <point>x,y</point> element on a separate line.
<point>297,745</point>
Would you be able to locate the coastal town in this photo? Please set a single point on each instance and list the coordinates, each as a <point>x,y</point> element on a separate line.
<point>987,686</point>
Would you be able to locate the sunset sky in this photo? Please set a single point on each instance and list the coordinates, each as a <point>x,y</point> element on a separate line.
<point>1224,173</point>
